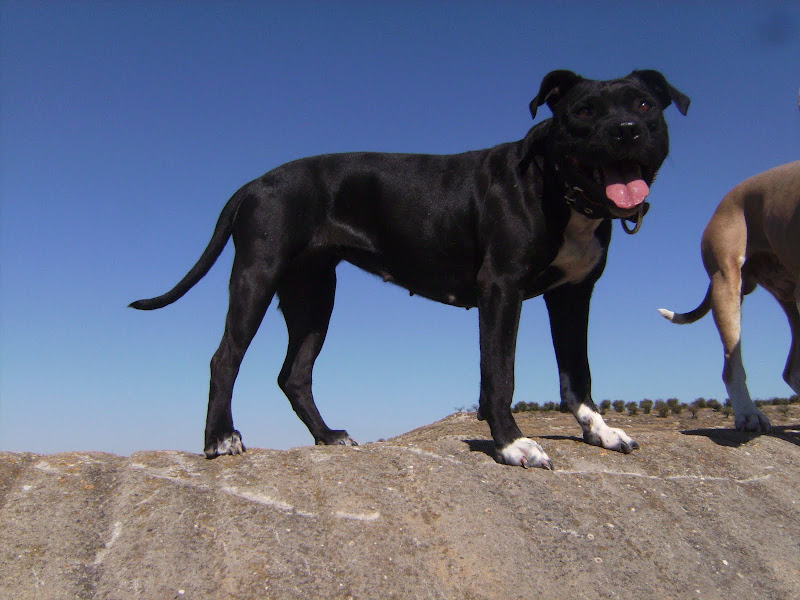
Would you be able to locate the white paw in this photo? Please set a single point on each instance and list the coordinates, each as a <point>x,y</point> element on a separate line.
<point>752,420</point>
<point>524,452</point>
<point>610,438</point>
<point>597,433</point>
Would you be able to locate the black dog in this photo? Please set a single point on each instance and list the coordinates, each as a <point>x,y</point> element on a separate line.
<point>488,228</point>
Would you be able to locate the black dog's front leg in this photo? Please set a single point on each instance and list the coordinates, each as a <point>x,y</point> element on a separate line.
<point>568,307</point>
<point>499,310</point>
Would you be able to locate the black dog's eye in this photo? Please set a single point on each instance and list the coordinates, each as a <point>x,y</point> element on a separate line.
<point>584,112</point>
<point>644,106</point>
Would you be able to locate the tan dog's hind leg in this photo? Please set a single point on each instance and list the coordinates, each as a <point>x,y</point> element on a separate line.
<point>791,374</point>
<point>794,357</point>
<point>727,311</point>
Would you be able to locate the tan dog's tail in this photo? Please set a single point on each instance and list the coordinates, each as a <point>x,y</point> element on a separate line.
<point>691,316</point>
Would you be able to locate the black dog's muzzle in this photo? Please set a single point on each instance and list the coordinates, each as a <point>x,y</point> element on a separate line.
<point>581,201</point>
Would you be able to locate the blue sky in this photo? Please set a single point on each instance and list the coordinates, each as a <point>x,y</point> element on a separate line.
<point>125,127</point>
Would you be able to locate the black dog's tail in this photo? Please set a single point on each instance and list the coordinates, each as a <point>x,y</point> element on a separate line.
<point>691,316</point>
<point>219,239</point>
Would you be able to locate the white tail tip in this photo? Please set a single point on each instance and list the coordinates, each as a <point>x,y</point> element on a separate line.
<point>667,314</point>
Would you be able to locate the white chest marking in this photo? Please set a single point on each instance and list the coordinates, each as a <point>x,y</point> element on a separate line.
<point>581,249</point>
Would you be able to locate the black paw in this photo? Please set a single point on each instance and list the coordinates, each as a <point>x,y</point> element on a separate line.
<point>227,444</point>
<point>338,437</point>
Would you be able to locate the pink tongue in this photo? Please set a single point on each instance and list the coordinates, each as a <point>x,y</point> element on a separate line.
<point>625,186</point>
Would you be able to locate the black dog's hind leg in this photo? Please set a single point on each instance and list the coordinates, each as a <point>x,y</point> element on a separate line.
<point>568,307</point>
<point>306,300</point>
<point>251,290</point>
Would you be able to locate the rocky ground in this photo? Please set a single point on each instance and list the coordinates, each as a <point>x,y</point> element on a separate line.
<point>700,511</point>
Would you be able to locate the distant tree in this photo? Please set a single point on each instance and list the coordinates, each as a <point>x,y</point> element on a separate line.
<point>694,407</point>
<point>662,408</point>
<point>727,410</point>
<point>633,408</point>
<point>713,404</point>
<point>619,405</point>
<point>549,406</point>
<point>647,406</point>
<point>795,399</point>
<point>605,405</point>
<point>675,406</point>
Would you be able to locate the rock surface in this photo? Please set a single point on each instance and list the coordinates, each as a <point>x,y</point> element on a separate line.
<point>697,512</point>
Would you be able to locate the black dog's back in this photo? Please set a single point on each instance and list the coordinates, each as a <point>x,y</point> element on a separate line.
<point>385,213</point>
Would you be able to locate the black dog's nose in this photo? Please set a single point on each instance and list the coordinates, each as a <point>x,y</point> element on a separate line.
<point>627,131</point>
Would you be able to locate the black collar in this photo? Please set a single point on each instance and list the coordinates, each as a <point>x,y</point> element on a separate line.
<point>578,200</point>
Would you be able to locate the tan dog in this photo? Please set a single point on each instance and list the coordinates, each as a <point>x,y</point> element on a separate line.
<point>753,238</point>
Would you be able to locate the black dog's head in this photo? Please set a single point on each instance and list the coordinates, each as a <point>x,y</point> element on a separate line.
<point>607,139</point>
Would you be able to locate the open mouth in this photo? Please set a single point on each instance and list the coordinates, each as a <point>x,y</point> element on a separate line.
<point>622,182</point>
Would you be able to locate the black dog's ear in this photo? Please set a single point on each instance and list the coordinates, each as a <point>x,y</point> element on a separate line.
<point>663,90</point>
<point>554,85</point>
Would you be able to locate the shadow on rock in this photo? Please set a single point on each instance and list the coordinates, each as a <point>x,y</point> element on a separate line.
<point>571,438</point>
<point>485,446</point>
<point>735,438</point>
